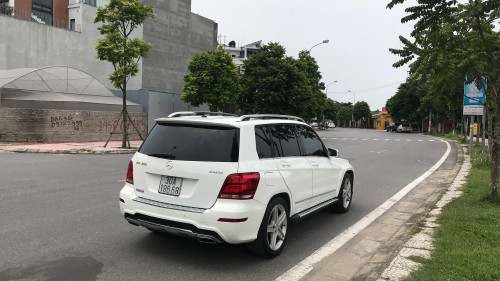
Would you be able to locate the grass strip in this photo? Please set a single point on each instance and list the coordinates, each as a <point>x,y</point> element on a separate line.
<point>467,242</point>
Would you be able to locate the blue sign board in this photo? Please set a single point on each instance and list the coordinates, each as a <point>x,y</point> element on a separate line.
<point>474,99</point>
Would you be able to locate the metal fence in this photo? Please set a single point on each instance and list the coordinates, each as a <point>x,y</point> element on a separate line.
<point>40,18</point>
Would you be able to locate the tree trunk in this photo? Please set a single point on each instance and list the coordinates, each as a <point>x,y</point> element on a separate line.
<point>494,142</point>
<point>125,114</point>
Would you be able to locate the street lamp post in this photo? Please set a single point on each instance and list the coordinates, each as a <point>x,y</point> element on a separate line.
<point>326,91</point>
<point>323,42</point>
<point>354,95</point>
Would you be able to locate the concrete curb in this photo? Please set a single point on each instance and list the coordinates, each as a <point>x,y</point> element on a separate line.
<point>421,244</point>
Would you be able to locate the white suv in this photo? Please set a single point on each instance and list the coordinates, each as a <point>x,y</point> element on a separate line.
<point>223,178</point>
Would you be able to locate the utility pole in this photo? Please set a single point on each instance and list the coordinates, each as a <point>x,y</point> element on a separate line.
<point>471,134</point>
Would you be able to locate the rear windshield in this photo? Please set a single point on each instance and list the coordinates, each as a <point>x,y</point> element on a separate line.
<point>192,143</point>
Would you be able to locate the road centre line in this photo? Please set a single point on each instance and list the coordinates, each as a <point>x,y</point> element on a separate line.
<point>305,266</point>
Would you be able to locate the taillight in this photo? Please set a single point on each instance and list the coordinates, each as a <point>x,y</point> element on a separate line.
<point>240,186</point>
<point>130,173</point>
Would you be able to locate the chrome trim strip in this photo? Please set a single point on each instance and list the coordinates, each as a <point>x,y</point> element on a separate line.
<point>318,195</point>
<point>315,208</point>
<point>169,206</point>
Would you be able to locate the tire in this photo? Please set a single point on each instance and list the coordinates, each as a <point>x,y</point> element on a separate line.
<point>273,230</point>
<point>345,195</point>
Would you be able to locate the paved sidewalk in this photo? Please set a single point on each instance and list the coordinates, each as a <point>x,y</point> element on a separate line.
<point>113,147</point>
<point>369,253</point>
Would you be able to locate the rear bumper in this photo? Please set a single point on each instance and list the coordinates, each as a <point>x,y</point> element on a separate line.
<point>196,223</point>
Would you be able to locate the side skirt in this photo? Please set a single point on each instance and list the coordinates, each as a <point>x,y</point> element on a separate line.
<point>313,209</point>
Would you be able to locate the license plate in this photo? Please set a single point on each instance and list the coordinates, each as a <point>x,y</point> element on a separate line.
<point>170,185</point>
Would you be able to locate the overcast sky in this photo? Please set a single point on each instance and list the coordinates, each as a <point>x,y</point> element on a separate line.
<point>360,34</point>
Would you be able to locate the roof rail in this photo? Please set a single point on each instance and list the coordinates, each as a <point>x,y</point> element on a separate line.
<point>200,113</point>
<point>270,116</point>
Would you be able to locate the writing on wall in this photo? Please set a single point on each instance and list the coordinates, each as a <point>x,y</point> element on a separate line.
<point>66,121</point>
<point>107,124</point>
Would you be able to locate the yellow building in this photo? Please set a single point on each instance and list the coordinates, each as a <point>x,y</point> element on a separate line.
<point>381,120</point>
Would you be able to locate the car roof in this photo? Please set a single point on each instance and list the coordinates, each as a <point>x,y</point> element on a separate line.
<point>230,121</point>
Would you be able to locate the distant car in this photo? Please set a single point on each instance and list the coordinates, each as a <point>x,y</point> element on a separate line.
<point>391,127</point>
<point>404,128</point>
<point>314,124</point>
<point>331,125</point>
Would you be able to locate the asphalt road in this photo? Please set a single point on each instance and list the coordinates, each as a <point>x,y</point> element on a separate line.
<point>60,220</point>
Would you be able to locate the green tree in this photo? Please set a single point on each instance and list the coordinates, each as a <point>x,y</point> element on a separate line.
<point>213,79</point>
<point>275,83</point>
<point>405,104</point>
<point>119,19</point>
<point>331,109</point>
<point>344,115</point>
<point>317,102</point>
<point>451,40</point>
<point>361,111</point>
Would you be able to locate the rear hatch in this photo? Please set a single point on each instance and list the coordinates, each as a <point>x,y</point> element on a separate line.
<point>186,164</point>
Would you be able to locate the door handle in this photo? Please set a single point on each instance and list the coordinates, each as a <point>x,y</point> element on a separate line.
<point>285,164</point>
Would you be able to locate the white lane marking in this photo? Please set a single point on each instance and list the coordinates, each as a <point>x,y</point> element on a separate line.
<point>375,139</point>
<point>344,138</point>
<point>386,139</point>
<point>431,140</point>
<point>354,138</point>
<point>420,140</point>
<point>377,151</point>
<point>306,265</point>
<point>323,138</point>
<point>408,140</point>
<point>397,139</point>
<point>364,139</point>
<point>333,138</point>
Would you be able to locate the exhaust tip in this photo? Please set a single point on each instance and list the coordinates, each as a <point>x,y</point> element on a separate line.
<point>207,239</point>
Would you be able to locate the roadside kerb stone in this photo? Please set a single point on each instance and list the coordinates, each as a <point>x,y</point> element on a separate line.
<point>421,244</point>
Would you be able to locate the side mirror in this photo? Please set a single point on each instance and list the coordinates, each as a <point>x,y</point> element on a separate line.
<point>333,152</point>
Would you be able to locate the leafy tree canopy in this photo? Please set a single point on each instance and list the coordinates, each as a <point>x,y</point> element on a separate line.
<point>275,83</point>
<point>361,111</point>
<point>213,79</point>
<point>119,19</point>
<point>344,113</point>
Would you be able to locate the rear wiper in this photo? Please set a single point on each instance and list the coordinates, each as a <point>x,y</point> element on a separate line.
<point>162,155</point>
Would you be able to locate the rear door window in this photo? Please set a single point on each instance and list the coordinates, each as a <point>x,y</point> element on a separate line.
<point>311,143</point>
<point>263,142</point>
<point>285,142</point>
<point>193,143</point>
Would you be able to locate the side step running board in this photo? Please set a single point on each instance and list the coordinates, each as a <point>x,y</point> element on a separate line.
<point>314,209</point>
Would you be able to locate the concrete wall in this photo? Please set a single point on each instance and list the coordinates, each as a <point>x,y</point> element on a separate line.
<point>28,44</point>
<point>49,125</point>
<point>176,35</point>
<point>162,104</point>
